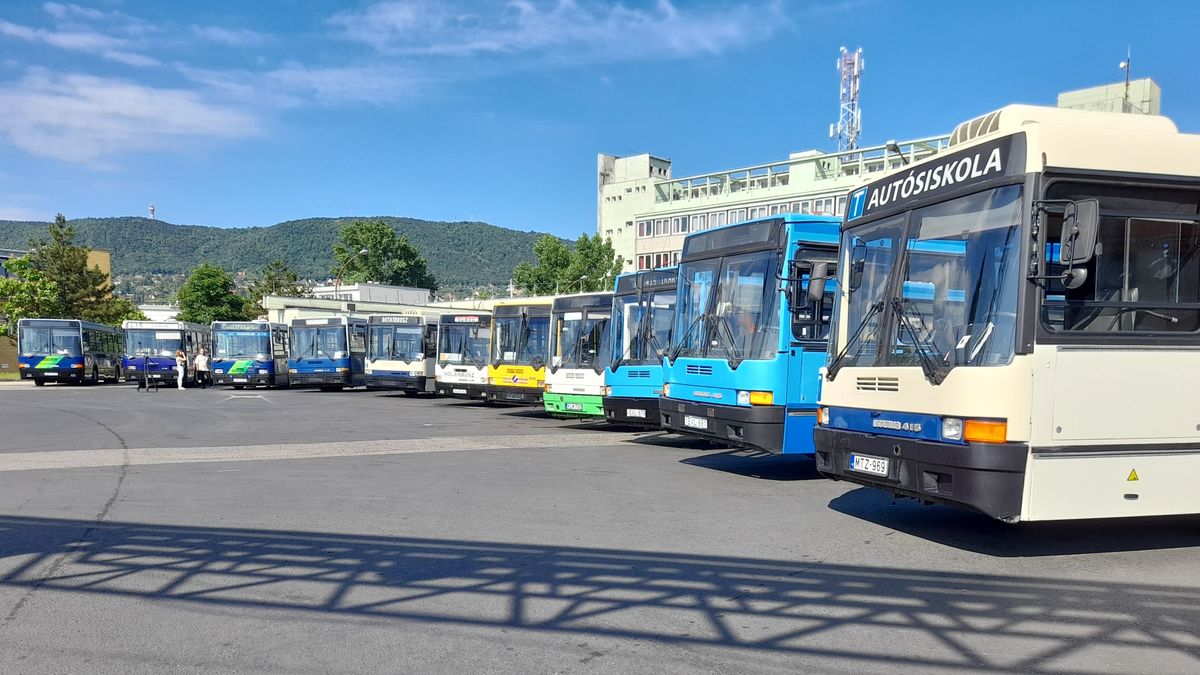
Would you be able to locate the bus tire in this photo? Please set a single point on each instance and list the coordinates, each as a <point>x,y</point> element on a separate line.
<point>39,382</point>
<point>95,375</point>
<point>410,392</point>
<point>239,386</point>
<point>330,387</point>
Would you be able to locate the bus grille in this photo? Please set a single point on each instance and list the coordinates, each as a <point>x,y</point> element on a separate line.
<point>878,384</point>
<point>639,374</point>
<point>698,370</point>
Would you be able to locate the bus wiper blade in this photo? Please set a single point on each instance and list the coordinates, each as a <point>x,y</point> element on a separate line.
<point>735,354</point>
<point>836,365</point>
<point>679,347</point>
<point>928,365</point>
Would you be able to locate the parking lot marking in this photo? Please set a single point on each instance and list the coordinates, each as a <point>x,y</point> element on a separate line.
<point>76,459</point>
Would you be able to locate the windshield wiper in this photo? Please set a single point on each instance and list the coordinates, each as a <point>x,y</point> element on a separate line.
<point>734,354</point>
<point>928,365</point>
<point>836,365</point>
<point>686,334</point>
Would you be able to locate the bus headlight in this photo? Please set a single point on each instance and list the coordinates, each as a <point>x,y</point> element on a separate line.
<point>291,371</point>
<point>952,429</point>
<point>606,391</point>
<point>264,372</point>
<point>743,398</point>
<point>762,398</point>
<point>22,365</point>
<point>343,370</point>
<point>823,416</point>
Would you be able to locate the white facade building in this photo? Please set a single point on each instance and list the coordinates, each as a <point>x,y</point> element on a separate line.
<point>368,292</point>
<point>646,212</point>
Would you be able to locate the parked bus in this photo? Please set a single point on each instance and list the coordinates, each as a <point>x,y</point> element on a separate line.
<point>249,353</point>
<point>400,352</point>
<point>328,352</point>
<point>580,351</point>
<point>749,344</point>
<point>1018,321</point>
<point>150,348</point>
<point>520,344</point>
<point>67,350</point>
<point>643,319</point>
<point>462,362</point>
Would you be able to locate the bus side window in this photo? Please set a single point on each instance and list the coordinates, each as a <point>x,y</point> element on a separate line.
<point>358,341</point>
<point>431,341</point>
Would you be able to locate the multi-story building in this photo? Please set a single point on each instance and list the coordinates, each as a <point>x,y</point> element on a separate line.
<point>647,212</point>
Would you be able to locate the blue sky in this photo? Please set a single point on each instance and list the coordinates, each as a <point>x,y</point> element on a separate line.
<point>249,113</point>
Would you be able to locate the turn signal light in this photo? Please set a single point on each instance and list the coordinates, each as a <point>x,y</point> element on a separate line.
<point>823,416</point>
<point>666,390</point>
<point>77,365</point>
<point>985,431</point>
<point>22,365</point>
<point>762,398</point>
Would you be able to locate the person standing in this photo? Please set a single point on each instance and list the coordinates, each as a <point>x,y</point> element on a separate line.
<point>203,374</point>
<point>180,366</point>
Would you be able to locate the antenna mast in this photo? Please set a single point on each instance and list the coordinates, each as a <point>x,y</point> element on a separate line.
<point>152,210</point>
<point>849,124</point>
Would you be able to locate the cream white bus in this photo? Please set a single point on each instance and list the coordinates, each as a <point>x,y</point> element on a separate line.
<point>1017,323</point>
<point>400,351</point>
<point>462,360</point>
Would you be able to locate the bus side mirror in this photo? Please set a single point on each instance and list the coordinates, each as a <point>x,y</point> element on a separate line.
<point>1080,228</point>
<point>858,262</point>
<point>816,282</point>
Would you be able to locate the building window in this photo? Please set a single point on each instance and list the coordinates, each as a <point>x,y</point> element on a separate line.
<point>737,215</point>
<point>841,206</point>
<point>643,262</point>
<point>660,227</point>
<point>806,206</point>
<point>675,258</point>
<point>699,222</point>
<point>794,207</point>
<point>645,228</point>
<point>679,225</point>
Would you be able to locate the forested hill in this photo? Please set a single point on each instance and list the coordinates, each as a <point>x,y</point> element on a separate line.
<point>464,254</point>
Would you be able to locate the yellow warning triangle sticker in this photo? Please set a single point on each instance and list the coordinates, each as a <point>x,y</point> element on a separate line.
<point>1132,475</point>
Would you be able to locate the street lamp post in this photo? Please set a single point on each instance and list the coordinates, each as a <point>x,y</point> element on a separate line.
<point>581,280</point>
<point>337,280</point>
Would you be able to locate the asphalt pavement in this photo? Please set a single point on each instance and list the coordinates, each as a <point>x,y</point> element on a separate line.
<point>298,531</point>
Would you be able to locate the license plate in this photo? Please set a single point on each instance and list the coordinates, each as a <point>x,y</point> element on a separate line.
<point>50,374</point>
<point>867,464</point>
<point>574,406</point>
<point>635,412</point>
<point>240,379</point>
<point>459,391</point>
<point>695,422</point>
<point>514,397</point>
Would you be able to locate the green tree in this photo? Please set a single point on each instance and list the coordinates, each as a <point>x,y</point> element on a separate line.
<point>116,310</point>
<point>83,292</point>
<point>591,265</point>
<point>26,293</point>
<point>276,279</point>
<point>389,259</point>
<point>209,295</point>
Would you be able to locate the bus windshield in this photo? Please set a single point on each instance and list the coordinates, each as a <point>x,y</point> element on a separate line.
<point>643,327</point>
<point>521,340</point>
<point>396,343</point>
<point>152,342</point>
<point>462,342</point>
<point>312,342</point>
<point>951,297</point>
<point>232,344</point>
<point>580,339</point>
<point>48,340</point>
<point>727,307</point>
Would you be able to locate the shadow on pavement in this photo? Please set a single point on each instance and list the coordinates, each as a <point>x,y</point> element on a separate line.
<point>849,615</point>
<point>532,412</point>
<point>758,464</point>
<point>975,532</point>
<point>668,440</point>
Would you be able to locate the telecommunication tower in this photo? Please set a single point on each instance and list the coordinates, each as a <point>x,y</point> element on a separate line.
<point>152,210</point>
<point>849,124</point>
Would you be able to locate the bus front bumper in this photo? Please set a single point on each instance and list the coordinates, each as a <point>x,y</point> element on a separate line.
<point>642,412</point>
<point>759,427</point>
<point>396,381</point>
<point>318,379</point>
<point>573,405</point>
<point>474,392</point>
<point>514,395</point>
<point>53,374</point>
<point>247,380</point>
<point>985,477</point>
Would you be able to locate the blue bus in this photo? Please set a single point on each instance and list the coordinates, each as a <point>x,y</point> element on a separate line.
<point>249,353</point>
<point>328,353</point>
<point>749,344</point>
<point>642,322</point>
<point>150,348</point>
<point>67,350</point>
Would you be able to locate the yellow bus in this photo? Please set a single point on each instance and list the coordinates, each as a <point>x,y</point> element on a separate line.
<point>520,344</point>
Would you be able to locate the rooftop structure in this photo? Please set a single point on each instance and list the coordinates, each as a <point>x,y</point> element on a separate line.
<point>1144,97</point>
<point>369,292</point>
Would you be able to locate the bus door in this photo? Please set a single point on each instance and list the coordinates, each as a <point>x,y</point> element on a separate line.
<point>810,322</point>
<point>357,339</point>
<point>431,352</point>
<point>279,354</point>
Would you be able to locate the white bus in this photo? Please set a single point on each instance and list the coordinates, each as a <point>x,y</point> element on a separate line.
<point>400,352</point>
<point>463,346</point>
<point>1018,321</point>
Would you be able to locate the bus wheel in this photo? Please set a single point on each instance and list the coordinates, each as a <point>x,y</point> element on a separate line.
<point>410,392</point>
<point>239,386</point>
<point>95,375</point>
<point>39,382</point>
<point>330,387</point>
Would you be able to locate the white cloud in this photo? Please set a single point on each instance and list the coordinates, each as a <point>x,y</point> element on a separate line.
<point>565,31</point>
<point>233,37</point>
<point>9,212</point>
<point>87,119</point>
<point>295,84</point>
<point>59,10</point>
<point>106,46</point>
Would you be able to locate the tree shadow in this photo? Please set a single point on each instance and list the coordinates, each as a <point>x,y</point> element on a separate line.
<point>971,531</point>
<point>758,464</point>
<point>528,412</point>
<point>850,616</point>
